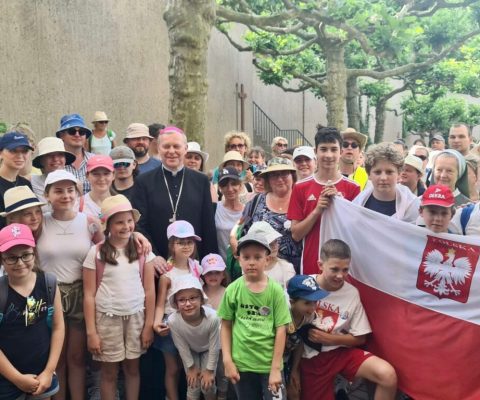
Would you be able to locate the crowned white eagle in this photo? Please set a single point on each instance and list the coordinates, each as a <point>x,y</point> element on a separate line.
<point>446,273</point>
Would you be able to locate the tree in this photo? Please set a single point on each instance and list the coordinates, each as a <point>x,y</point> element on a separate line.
<point>189,25</point>
<point>323,45</point>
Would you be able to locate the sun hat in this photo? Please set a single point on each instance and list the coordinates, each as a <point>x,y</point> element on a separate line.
<point>19,198</point>
<point>99,116</point>
<point>100,161</point>
<point>351,133</point>
<point>13,140</point>
<point>438,137</point>
<point>233,155</point>
<point>194,147</point>
<point>212,262</point>
<point>184,282</point>
<point>115,204</point>
<point>305,287</point>
<point>265,229</point>
<point>278,164</point>
<point>72,121</point>
<point>182,229</point>
<point>438,195</point>
<point>15,235</point>
<point>60,175</point>
<point>51,145</point>
<point>414,162</point>
<point>228,173</point>
<point>122,154</point>
<point>137,130</point>
<point>259,170</point>
<point>306,151</point>
<point>253,238</point>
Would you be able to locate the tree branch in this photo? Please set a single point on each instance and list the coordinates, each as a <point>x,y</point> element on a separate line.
<point>300,88</point>
<point>259,20</point>
<point>409,8</point>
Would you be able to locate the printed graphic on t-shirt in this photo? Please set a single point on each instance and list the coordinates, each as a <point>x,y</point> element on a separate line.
<point>254,317</point>
<point>30,314</point>
<point>328,315</point>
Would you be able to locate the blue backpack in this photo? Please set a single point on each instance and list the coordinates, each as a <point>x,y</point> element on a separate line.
<point>465,216</point>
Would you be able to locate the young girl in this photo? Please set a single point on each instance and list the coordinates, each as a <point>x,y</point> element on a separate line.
<point>29,345</point>
<point>181,243</point>
<point>215,279</point>
<point>119,299</point>
<point>195,332</point>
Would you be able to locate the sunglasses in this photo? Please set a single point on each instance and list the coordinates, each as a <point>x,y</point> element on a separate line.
<point>282,145</point>
<point>122,165</point>
<point>353,145</point>
<point>236,146</point>
<point>102,122</point>
<point>73,132</point>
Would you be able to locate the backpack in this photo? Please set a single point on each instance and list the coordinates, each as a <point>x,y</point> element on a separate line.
<point>50,284</point>
<point>100,266</point>
<point>465,216</point>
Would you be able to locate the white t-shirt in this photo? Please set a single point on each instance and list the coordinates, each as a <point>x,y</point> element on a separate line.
<point>341,312</point>
<point>225,219</point>
<point>121,289</point>
<point>63,246</point>
<point>282,271</point>
<point>90,207</point>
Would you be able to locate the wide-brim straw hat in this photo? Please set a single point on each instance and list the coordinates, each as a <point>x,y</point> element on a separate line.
<point>233,155</point>
<point>278,164</point>
<point>115,204</point>
<point>351,133</point>
<point>194,147</point>
<point>19,198</point>
<point>51,145</point>
<point>99,116</point>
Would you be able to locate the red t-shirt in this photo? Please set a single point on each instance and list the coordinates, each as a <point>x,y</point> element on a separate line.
<point>304,199</point>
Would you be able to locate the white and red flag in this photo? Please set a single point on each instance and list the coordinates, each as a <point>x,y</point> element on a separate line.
<point>421,292</point>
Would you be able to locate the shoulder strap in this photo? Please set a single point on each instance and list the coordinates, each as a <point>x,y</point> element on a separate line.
<point>99,265</point>
<point>3,294</point>
<point>51,285</point>
<point>110,135</point>
<point>141,265</point>
<point>465,216</point>
<point>81,203</point>
<point>254,205</point>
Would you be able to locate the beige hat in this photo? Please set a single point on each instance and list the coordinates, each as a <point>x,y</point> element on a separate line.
<point>51,145</point>
<point>137,130</point>
<point>99,116</point>
<point>19,198</point>
<point>194,147</point>
<point>351,133</point>
<point>233,155</point>
<point>113,205</point>
<point>278,164</point>
<point>414,162</point>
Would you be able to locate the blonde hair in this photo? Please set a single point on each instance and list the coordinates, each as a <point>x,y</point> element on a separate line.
<point>234,135</point>
<point>383,152</point>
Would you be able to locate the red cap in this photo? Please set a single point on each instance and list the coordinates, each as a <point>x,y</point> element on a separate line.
<point>15,235</point>
<point>438,195</point>
<point>100,161</point>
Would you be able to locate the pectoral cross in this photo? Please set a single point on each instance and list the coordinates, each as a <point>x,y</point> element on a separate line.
<point>173,219</point>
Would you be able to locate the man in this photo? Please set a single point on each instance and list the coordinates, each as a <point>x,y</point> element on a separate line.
<point>411,174</point>
<point>279,145</point>
<point>437,142</point>
<point>460,138</point>
<point>173,192</point>
<point>138,139</point>
<point>352,146</point>
<point>154,129</point>
<point>74,134</point>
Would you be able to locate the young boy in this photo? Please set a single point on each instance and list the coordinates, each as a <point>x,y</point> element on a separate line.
<point>437,208</point>
<point>311,196</point>
<point>343,326</point>
<point>254,317</point>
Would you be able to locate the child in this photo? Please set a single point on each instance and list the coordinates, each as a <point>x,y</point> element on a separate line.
<point>254,317</point>
<point>30,344</point>
<point>215,279</point>
<point>181,244</point>
<point>343,326</point>
<point>119,299</point>
<point>278,269</point>
<point>195,332</point>
<point>437,208</point>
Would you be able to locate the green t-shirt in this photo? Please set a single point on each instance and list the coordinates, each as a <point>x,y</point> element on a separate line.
<point>255,317</point>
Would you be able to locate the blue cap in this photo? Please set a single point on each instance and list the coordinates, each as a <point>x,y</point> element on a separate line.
<point>13,140</point>
<point>305,287</point>
<point>72,121</point>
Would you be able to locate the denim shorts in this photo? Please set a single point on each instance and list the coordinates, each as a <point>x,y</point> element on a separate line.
<point>165,344</point>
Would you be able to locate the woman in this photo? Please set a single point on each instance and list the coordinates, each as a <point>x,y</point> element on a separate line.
<point>196,159</point>
<point>450,169</point>
<point>234,160</point>
<point>230,209</point>
<point>237,141</point>
<point>125,170</point>
<point>383,163</point>
<point>102,140</point>
<point>272,207</point>
<point>411,174</point>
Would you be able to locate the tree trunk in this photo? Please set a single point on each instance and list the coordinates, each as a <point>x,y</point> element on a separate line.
<point>380,120</point>
<point>335,86</point>
<point>189,25</point>
<point>353,106</point>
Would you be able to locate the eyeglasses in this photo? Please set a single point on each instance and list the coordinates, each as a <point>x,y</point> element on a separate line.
<point>282,145</point>
<point>123,164</point>
<point>102,122</point>
<point>353,145</point>
<point>423,158</point>
<point>190,300</point>
<point>281,174</point>
<point>12,260</point>
<point>184,243</point>
<point>74,131</point>
<point>236,146</point>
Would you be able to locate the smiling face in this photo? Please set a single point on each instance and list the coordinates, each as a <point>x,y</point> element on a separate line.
<point>62,195</point>
<point>436,218</point>
<point>124,170</point>
<point>31,216</point>
<point>305,166</point>
<point>328,156</point>
<point>409,176</point>
<point>172,148</point>
<point>182,249</point>
<point>15,159</point>
<point>139,145</point>
<point>445,171</point>
<point>17,267</point>
<point>333,272</point>
<point>73,142</point>
<point>53,161</point>
<point>255,158</point>
<point>189,303</point>
<point>121,225</point>
<point>193,161</point>
<point>303,308</point>
<point>214,278</point>
<point>384,176</point>
<point>101,179</point>
<point>253,260</point>
<point>230,189</point>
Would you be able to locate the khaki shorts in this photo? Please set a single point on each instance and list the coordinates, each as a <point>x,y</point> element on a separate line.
<point>120,336</point>
<point>72,302</point>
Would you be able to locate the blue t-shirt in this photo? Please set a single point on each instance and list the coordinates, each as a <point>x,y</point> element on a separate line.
<point>152,163</point>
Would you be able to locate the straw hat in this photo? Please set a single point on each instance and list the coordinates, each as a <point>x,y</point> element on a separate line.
<point>233,155</point>
<point>194,147</point>
<point>19,198</point>
<point>278,164</point>
<point>99,116</point>
<point>115,204</point>
<point>51,145</point>
<point>351,133</point>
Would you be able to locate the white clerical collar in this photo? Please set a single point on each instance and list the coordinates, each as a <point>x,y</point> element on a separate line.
<point>174,173</point>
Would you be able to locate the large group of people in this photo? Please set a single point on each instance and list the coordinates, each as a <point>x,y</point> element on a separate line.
<point>134,257</point>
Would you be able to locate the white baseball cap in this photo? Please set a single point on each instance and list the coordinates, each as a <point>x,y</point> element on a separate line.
<point>306,151</point>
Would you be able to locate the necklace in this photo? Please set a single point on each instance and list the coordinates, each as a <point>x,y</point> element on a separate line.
<point>174,206</point>
<point>61,225</point>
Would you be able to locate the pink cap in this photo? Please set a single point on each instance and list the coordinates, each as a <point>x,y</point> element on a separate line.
<point>100,161</point>
<point>438,195</point>
<point>181,229</point>
<point>212,262</point>
<point>15,235</point>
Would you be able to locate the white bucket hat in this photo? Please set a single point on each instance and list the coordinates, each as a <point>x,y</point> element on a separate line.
<point>51,145</point>
<point>194,147</point>
<point>185,282</point>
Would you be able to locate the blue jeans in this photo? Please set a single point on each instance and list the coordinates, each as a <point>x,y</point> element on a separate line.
<point>253,385</point>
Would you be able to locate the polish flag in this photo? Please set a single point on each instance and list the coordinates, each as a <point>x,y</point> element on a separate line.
<point>421,292</point>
